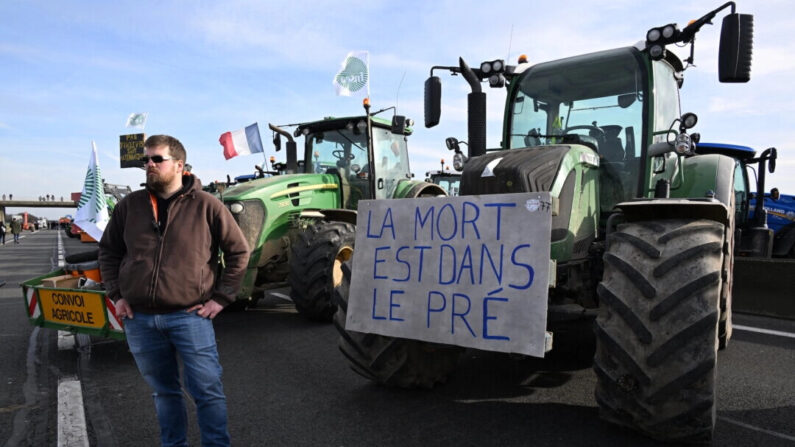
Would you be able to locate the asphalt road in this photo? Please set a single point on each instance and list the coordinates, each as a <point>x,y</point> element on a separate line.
<point>287,384</point>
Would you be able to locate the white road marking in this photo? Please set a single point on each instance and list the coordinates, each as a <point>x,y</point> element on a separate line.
<point>759,429</point>
<point>71,415</point>
<point>72,430</point>
<point>61,260</point>
<point>66,341</point>
<point>281,295</point>
<point>760,330</point>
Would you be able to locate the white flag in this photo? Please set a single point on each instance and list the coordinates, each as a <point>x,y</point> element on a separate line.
<point>137,120</point>
<point>353,79</point>
<point>92,209</point>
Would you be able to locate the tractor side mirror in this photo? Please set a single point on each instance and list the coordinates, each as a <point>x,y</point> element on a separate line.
<point>277,141</point>
<point>736,48</point>
<point>400,123</point>
<point>771,161</point>
<point>433,101</point>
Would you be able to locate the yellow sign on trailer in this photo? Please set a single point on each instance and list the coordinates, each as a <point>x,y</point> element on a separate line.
<point>71,309</point>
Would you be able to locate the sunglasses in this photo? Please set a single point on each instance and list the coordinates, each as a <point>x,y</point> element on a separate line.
<point>155,158</point>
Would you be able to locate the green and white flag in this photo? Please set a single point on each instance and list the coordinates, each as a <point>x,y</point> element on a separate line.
<point>92,209</point>
<point>137,120</point>
<point>353,79</point>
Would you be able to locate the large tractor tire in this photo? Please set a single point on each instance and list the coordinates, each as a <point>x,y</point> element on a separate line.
<point>391,361</point>
<point>315,264</point>
<point>657,328</point>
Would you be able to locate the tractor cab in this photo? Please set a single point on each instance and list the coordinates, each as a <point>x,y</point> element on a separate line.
<point>340,146</point>
<point>571,101</point>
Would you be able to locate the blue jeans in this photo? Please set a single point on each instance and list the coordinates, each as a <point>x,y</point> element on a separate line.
<point>155,341</point>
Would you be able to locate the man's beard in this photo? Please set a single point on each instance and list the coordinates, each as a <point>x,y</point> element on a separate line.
<point>156,181</point>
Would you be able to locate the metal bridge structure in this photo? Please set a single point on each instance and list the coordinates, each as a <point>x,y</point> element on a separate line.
<point>26,204</point>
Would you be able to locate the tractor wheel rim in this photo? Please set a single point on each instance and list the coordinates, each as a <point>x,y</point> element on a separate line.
<point>344,254</point>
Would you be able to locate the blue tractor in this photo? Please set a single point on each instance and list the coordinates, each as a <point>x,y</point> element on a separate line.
<point>770,223</point>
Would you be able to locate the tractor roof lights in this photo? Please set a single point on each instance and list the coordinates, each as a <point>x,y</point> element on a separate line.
<point>490,68</point>
<point>657,52</point>
<point>657,38</point>
<point>496,80</point>
<point>653,35</point>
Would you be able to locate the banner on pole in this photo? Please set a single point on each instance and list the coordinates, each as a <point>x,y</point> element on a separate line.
<point>137,120</point>
<point>353,78</point>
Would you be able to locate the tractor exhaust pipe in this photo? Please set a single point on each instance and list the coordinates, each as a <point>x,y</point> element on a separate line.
<point>476,112</point>
<point>291,166</point>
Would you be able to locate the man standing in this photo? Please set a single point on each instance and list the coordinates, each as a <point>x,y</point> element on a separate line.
<point>159,262</point>
<point>2,231</point>
<point>16,228</point>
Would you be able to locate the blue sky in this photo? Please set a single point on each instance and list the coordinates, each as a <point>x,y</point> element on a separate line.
<point>72,71</point>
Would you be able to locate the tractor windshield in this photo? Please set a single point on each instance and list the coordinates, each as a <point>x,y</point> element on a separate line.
<point>336,150</point>
<point>595,100</point>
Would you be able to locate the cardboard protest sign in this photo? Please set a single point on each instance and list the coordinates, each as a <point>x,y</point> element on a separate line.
<point>470,271</point>
<point>131,149</point>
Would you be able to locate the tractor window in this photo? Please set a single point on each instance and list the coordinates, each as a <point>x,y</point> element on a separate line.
<point>596,100</point>
<point>533,125</point>
<point>451,185</point>
<point>666,99</point>
<point>338,149</point>
<point>391,161</point>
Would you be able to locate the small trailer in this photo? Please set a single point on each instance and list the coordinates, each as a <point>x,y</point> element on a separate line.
<point>71,299</point>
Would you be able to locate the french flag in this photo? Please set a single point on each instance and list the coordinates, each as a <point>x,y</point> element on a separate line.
<point>241,142</point>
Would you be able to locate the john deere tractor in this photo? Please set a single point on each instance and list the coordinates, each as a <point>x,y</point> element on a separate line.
<point>642,232</point>
<point>300,224</point>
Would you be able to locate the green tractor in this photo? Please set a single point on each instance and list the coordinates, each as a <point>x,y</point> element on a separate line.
<point>300,224</point>
<point>642,233</point>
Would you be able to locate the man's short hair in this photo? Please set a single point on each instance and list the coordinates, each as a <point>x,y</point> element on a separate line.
<point>175,148</point>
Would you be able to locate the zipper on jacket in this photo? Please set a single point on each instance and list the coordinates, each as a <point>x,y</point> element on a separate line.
<point>156,224</point>
<point>160,244</point>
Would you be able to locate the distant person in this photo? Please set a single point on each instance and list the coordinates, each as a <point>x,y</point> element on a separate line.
<point>16,228</point>
<point>4,196</point>
<point>774,194</point>
<point>3,232</point>
<point>162,273</point>
<point>61,198</point>
<point>10,197</point>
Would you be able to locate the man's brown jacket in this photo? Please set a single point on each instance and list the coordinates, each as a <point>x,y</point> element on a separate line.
<point>162,271</point>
